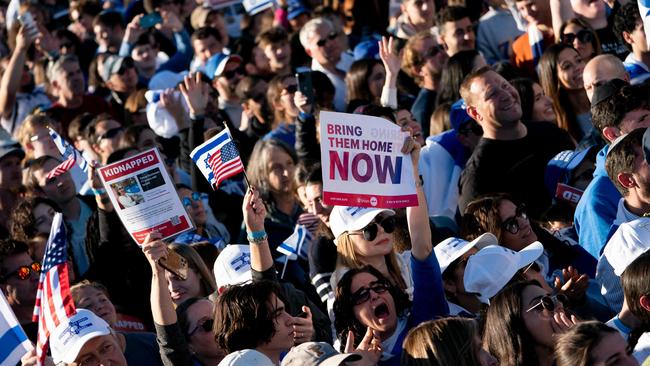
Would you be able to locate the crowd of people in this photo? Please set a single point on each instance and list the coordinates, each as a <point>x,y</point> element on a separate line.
<point>528,141</point>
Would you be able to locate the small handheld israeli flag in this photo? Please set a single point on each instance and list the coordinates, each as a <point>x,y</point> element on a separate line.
<point>12,336</point>
<point>79,172</point>
<point>297,244</point>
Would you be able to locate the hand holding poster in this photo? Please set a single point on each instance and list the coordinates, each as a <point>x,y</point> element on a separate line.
<point>363,164</point>
<point>144,196</point>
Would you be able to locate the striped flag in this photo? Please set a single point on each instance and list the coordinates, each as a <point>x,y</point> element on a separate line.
<point>67,150</point>
<point>12,337</point>
<point>296,244</point>
<point>53,300</point>
<point>218,158</point>
<point>61,168</point>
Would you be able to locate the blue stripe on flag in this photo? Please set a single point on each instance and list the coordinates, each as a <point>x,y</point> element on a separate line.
<point>11,340</point>
<point>286,248</point>
<point>218,140</point>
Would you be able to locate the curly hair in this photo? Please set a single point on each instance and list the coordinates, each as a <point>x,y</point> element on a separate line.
<point>344,318</point>
<point>626,20</point>
<point>244,316</point>
<point>610,112</point>
<point>22,223</point>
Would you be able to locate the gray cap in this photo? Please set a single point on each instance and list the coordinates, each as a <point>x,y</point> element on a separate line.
<point>112,65</point>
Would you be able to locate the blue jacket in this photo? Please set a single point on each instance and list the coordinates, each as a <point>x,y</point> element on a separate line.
<point>429,301</point>
<point>596,210</point>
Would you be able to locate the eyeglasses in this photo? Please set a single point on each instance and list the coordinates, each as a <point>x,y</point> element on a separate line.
<point>206,326</point>
<point>291,89</point>
<point>232,73</point>
<point>24,272</point>
<point>322,42</point>
<point>511,224</point>
<point>471,126</point>
<point>196,197</point>
<point>550,302</point>
<point>370,232</point>
<point>112,133</point>
<point>584,36</point>
<point>362,295</point>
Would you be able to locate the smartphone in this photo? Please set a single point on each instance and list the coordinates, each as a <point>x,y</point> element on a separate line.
<point>175,264</point>
<point>305,85</point>
<point>150,20</point>
<point>27,20</point>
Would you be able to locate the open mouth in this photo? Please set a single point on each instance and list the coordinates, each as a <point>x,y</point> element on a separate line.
<point>381,311</point>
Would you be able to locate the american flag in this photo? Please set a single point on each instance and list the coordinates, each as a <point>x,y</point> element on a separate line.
<point>61,168</point>
<point>53,300</point>
<point>218,158</point>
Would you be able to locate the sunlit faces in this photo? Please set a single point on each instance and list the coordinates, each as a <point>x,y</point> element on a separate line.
<point>194,205</point>
<point>534,11</point>
<point>40,143</point>
<point>611,351</point>
<point>419,12</point>
<point>70,80</point>
<point>542,106</point>
<point>102,350</point>
<point>380,246</point>
<point>107,37</point>
<point>638,118</point>
<point>496,101</point>
<point>286,99</point>
<point>324,46</point>
<point>570,67</point>
<point>43,216</point>
<point>206,48</point>
<point>579,38</point>
<point>283,338</point>
<point>10,172</point>
<point>109,134</point>
<point>60,189</point>
<point>406,119</point>
<point>376,80</point>
<point>458,36</point>
<point>96,301</point>
<point>637,37</point>
<point>19,292</point>
<point>538,320</point>
<point>524,236</point>
<point>315,205</point>
<point>279,55</point>
<point>378,311</point>
<point>144,57</point>
<point>281,168</point>
<point>201,340</point>
<point>181,290</point>
<point>125,79</point>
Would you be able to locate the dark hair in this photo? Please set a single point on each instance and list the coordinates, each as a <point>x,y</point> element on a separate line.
<point>244,316</point>
<point>78,125</point>
<point>376,110</point>
<point>621,157</point>
<point>344,318</point>
<point>595,41</point>
<point>181,315</point>
<point>35,164</point>
<point>357,79</point>
<point>132,135</point>
<point>145,39</point>
<point>610,112</point>
<point>574,347</point>
<point>274,94</point>
<point>450,14</point>
<point>625,20</point>
<point>458,66</point>
<point>109,18</point>
<point>206,32</point>
<point>22,224</point>
<point>271,36</point>
<point>505,334</point>
<point>90,130</point>
<point>526,93</point>
<point>635,281</point>
<point>8,248</point>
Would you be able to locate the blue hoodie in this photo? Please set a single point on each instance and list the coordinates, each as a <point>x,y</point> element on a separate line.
<point>596,210</point>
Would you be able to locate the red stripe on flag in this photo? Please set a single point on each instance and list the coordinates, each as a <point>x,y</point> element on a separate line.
<point>61,168</point>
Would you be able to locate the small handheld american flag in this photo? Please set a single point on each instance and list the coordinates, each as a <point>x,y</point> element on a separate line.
<point>218,158</point>
<point>53,300</point>
<point>62,168</point>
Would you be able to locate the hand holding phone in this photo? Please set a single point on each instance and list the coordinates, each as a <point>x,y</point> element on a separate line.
<point>150,20</point>
<point>305,86</point>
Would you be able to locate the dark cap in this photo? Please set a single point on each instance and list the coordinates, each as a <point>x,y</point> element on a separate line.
<point>607,90</point>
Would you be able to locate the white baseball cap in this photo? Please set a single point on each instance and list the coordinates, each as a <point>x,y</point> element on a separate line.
<point>628,242</point>
<point>72,334</point>
<point>233,265</point>
<point>317,354</point>
<point>452,248</point>
<point>347,218</point>
<point>246,357</point>
<point>489,270</point>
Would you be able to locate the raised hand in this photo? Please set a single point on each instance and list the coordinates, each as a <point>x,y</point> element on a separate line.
<point>302,102</point>
<point>369,348</point>
<point>390,58</point>
<point>196,93</point>
<point>154,249</point>
<point>133,30</point>
<point>25,38</point>
<point>573,284</point>
<point>254,211</point>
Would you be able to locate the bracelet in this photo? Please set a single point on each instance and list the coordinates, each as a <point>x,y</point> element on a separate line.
<point>256,234</point>
<point>257,237</point>
<point>99,191</point>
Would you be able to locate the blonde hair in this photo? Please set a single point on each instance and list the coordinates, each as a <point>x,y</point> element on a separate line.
<point>447,341</point>
<point>29,126</point>
<point>347,258</point>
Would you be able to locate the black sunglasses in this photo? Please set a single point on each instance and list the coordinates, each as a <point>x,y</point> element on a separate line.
<point>511,224</point>
<point>584,36</point>
<point>370,231</point>
<point>291,89</point>
<point>110,134</point>
<point>206,326</point>
<point>332,36</point>
<point>550,302</point>
<point>24,272</point>
<point>232,73</point>
<point>362,295</point>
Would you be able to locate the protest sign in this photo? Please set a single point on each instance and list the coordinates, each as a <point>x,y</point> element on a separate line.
<point>144,196</point>
<point>363,164</point>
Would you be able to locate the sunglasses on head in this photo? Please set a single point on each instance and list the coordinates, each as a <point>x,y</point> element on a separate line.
<point>550,302</point>
<point>363,294</point>
<point>24,272</point>
<point>584,36</point>
<point>234,72</point>
<point>196,197</point>
<point>370,231</point>
<point>322,42</point>
<point>206,326</point>
<point>112,133</point>
<point>511,224</point>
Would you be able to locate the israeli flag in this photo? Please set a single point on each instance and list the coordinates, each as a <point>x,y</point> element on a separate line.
<point>12,337</point>
<point>297,244</point>
<point>79,172</point>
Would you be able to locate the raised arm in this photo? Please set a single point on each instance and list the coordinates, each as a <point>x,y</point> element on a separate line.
<point>418,216</point>
<point>162,306</point>
<point>392,64</point>
<point>254,214</point>
<point>561,12</point>
<point>10,82</point>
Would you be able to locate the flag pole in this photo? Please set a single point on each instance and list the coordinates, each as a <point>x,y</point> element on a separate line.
<point>248,183</point>
<point>284,268</point>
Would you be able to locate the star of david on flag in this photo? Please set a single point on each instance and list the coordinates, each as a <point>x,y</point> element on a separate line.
<point>218,158</point>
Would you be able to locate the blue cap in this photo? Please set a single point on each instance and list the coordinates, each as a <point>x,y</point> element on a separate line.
<point>217,63</point>
<point>558,169</point>
<point>295,8</point>
<point>368,49</point>
<point>458,115</point>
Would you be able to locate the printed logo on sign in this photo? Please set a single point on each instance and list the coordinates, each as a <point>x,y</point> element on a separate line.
<point>373,201</point>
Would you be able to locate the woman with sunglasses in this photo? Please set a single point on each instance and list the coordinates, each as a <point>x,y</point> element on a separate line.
<point>521,324</point>
<point>185,334</point>
<point>206,228</point>
<point>560,74</point>
<point>579,34</point>
<point>592,343</point>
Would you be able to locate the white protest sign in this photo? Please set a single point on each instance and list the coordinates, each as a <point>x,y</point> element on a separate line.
<point>363,164</point>
<point>144,196</point>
